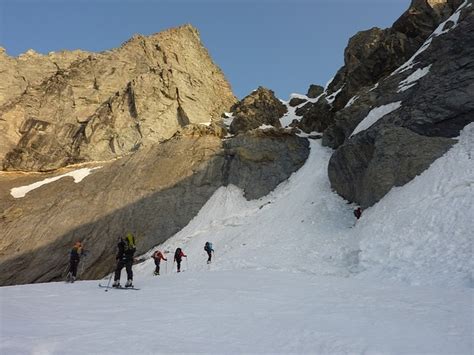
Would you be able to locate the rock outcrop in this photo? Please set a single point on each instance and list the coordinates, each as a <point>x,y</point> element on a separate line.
<point>314,91</point>
<point>435,91</point>
<point>261,107</point>
<point>372,55</point>
<point>154,192</point>
<point>77,107</point>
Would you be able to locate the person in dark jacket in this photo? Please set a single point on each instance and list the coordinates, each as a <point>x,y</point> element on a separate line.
<point>209,251</point>
<point>74,258</point>
<point>358,212</point>
<point>158,256</point>
<point>126,250</point>
<point>178,256</point>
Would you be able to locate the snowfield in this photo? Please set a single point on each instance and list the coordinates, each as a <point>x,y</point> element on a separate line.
<point>233,312</point>
<point>292,273</point>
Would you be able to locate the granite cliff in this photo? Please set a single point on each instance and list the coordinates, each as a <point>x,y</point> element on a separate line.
<point>72,107</point>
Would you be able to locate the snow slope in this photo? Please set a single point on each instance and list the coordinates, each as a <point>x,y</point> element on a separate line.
<point>291,274</point>
<point>234,312</point>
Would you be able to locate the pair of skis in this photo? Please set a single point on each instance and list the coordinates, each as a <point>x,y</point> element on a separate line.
<point>119,288</point>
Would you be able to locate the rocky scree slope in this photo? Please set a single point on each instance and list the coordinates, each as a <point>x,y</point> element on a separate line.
<point>414,98</point>
<point>75,106</point>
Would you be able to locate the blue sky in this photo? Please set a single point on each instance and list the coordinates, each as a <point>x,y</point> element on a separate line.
<point>280,44</point>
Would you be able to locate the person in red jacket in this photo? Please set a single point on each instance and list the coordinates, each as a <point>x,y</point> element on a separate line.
<point>178,255</point>
<point>158,256</point>
<point>358,212</point>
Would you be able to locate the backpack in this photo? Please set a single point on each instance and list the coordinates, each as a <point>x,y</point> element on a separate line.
<point>208,246</point>
<point>129,241</point>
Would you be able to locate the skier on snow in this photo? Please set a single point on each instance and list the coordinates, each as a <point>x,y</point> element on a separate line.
<point>158,256</point>
<point>178,255</point>
<point>126,250</point>
<point>209,251</point>
<point>74,258</point>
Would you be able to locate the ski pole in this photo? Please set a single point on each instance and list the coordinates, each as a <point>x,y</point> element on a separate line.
<point>166,267</point>
<point>82,265</point>
<point>187,265</point>
<point>66,270</point>
<point>108,283</point>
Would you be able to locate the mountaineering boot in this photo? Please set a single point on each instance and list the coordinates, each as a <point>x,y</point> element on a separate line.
<point>69,277</point>
<point>156,273</point>
<point>116,283</point>
<point>73,279</point>
<point>129,283</point>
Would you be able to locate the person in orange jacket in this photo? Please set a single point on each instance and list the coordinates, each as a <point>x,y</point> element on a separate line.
<point>74,258</point>
<point>158,256</point>
<point>178,255</point>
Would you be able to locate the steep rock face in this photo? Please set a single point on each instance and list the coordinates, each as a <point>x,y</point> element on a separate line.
<point>112,103</point>
<point>261,107</point>
<point>373,54</point>
<point>154,192</point>
<point>31,69</point>
<point>280,150</point>
<point>435,90</point>
<point>368,166</point>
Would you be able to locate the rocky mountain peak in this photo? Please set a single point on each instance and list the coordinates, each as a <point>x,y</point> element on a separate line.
<point>78,106</point>
<point>260,107</point>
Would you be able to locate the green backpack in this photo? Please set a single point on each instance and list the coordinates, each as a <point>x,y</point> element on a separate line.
<point>129,241</point>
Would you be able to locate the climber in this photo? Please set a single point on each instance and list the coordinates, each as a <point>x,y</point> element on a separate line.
<point>74,258</point>
<point>209,251</point>
<point>126,250</point>
<point>358,212</point>
<point>178,255</point>
<point>158,256</point>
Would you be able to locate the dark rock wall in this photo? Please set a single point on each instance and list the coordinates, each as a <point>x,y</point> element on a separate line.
<point>372,55</point>
<point>405,142</point>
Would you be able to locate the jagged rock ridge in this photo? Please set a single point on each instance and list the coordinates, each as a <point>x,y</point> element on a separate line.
<point>435,93</point>
<point>260,107</point>
<point>99,106</point>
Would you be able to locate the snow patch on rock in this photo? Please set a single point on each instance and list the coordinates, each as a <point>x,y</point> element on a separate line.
<point>77,175</point>
<point>376,114</point>
<point>411,80</point>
